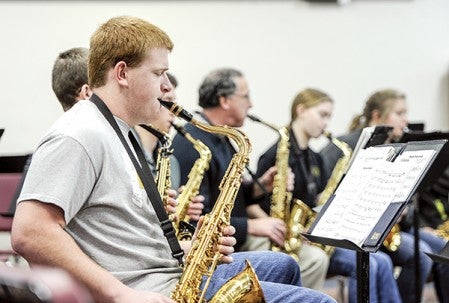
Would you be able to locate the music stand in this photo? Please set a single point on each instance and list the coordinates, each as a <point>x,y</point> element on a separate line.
<point>379,135</point>
<point>373,237</point>
<point>436,170</point>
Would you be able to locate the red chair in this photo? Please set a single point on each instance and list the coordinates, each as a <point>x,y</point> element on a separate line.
<point>9,183</point>
<point>40,284</point>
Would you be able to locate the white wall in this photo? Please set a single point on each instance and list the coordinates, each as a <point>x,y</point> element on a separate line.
<point>282,47</point>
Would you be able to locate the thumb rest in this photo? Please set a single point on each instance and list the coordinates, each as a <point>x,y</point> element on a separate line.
<point>191,188</point>
<point>203,257</point>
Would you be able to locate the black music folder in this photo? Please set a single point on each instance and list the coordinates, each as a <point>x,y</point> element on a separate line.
<point>373,193</point>
<point>441,162</point>
<point>442,256</point>
<point>2,130</point>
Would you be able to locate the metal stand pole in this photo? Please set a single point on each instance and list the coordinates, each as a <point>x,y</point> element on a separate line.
<point>417,257</point>
<point>362,277</point>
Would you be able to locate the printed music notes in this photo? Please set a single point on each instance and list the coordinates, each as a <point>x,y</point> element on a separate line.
<point>372,183</point>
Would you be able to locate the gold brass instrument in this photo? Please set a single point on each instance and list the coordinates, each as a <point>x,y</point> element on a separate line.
<point>443,230</point>
<point>393,239</point>
<point>281,198</point>
<point>338,172</point>
<point>203,257</point>
<point>162,179</point>
<point>191,188</point>
<point>241,288</point>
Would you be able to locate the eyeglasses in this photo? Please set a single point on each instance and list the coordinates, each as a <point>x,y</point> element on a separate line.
<point>244,96</point>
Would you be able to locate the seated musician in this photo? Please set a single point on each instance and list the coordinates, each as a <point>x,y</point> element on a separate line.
<point>388,107</point>
<point>84,206</point>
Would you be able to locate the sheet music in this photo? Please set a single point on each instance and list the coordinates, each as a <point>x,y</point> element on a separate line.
<point>363,139</point>
<point>372,183</point>
<point>416,162</point>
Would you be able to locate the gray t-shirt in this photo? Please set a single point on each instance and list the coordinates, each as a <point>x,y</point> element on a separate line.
<point>82,167</point>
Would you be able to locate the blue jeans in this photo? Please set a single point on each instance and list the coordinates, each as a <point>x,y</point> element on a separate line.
<point>382,286</point>
<point>440,271</point>
<point>278,274</point>
<point>405,257</point>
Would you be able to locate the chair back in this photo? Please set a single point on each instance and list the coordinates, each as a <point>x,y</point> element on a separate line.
<point>9,183</point>
<point>40,285</point>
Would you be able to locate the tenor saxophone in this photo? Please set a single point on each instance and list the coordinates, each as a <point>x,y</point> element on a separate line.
<point>191,188</point>
<point>203,257</point>
<point>162,179</point>
<point>281,199</point>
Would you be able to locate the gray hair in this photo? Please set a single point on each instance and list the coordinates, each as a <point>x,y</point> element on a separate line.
<point>218,83</point>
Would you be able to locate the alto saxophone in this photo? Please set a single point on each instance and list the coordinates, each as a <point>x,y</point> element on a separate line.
<point>338,172</point>
<point>162,179</point>
<point>203,257</point>
<point>281,198</point>
<point>191,188</point>
<point>339,169</point>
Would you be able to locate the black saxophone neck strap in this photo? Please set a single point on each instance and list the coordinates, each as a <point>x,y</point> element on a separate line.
<point>146,178</point>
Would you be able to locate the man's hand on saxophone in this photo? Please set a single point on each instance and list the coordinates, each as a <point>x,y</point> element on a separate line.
<point>273,228</point>
<point>225,243</point>
<point>170,207</point>
<point>267,179</point>
<point>195,209</point>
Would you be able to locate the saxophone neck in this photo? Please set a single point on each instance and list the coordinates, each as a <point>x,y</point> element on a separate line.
<point>259,120</point>
<point>343,146</point>
<point>199,146</point>
<point>162,136</point>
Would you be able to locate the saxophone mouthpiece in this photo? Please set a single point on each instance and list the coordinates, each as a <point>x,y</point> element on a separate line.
<point>254,118</point>
<point>176,109</point>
